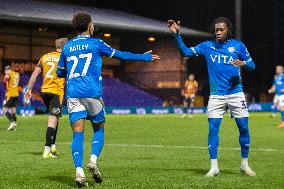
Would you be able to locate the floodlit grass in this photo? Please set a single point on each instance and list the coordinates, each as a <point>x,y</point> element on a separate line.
<point>144,151</point>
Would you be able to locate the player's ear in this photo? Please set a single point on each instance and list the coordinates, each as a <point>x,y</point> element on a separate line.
<point>91,29</point>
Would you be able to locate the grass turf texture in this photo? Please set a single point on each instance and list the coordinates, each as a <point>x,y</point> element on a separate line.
<point>144,151</point>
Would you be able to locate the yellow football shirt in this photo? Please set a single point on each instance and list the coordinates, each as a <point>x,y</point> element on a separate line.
<point>12,85</point>
<point>51,82</point>
<point>191,87</point>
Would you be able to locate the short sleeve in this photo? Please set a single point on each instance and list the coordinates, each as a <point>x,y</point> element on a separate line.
<point>105,49</point>
<point>198,49</point>
<point>244,54</point>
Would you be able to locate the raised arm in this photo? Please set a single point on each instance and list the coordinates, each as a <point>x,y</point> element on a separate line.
<point>106,50</point>
<point>185,51</point>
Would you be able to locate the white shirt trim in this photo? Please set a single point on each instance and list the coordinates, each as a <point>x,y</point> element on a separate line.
<point>113,52</point>
<point>194,51</point>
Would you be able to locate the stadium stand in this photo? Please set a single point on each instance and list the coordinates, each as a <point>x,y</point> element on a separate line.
<point>116,93</point>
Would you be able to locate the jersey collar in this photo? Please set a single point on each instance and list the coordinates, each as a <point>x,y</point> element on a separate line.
<point>83,36</point>
<point>219,44</point>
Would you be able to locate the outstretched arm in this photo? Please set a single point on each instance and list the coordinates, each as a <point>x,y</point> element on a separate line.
<point>185,51</point>
<point>147,56</point>
<point>106,50</point>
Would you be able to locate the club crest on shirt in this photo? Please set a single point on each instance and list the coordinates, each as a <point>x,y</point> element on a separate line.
<point>231,49</point>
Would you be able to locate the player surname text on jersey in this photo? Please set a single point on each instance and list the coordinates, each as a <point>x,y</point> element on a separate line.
<point>79,47</point>
<point>52,59</point>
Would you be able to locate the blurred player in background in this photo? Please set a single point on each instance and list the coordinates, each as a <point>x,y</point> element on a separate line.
<point>11,82</point>
<point>278,89</point>
<point>27,102</point>
<point>81,63</point>
<point>225,58</point>
<point>189,91</point>
<point>52,94</point>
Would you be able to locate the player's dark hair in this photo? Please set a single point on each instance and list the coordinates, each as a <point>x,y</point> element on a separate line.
<point>81,22</point>
<point>221,20</point>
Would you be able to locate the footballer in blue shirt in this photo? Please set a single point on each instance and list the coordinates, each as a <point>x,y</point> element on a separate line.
<point>278,88</point>
<point>225,58</point>
<point>81,63</point>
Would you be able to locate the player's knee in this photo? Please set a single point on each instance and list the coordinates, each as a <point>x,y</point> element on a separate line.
<point>214,124</point>
<point>52,121</point>
<point>78,126</point>
<point>213,132</point>
<point>243,125</point>
<point>244,131</point>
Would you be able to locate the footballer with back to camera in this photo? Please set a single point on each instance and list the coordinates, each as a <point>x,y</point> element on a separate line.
<point>225,58</point>
<point>81,63</point>
<point>52,94</point>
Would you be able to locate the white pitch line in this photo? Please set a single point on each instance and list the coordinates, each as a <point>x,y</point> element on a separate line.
<point>193,147</point>
<point>154,146</point>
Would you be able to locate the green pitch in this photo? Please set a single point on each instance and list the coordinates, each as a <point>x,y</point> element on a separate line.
<point>144,151</point>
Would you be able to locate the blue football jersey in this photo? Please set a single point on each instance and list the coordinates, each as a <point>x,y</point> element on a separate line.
<point>224,77</point>
<point>81,63</point>
<point>279,84</point>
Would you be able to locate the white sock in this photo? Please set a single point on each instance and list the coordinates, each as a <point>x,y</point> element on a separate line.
<point>47,149</point>
<point>80,171</point>
<point>214,164</point>
<point>94,158</point>
<point>244,162</point>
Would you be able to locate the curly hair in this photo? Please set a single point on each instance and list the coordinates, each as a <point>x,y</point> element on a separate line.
<point>221,20</point>
<point>81,22</point>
